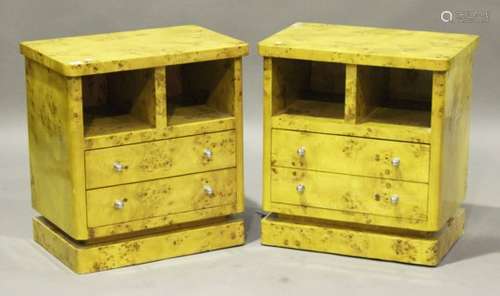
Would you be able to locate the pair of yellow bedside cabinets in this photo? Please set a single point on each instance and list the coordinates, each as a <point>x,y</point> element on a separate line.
<point>136,142</point>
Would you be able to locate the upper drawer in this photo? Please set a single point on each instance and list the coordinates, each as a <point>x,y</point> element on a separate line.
<point>153,160</point>
<point>350,155</point>
<point>367,195</point>
<point>117,204</point>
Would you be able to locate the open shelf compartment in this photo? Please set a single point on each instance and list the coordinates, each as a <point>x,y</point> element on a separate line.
<point>308,88</point>
<point>200,92</point>
<point>395,96</point>
<point>118,102</point>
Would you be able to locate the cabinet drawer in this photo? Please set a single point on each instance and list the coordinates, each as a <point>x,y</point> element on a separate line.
<point>162,197</point>
<point>349,193</point>
<point>350,155</point>
<point>160,159</point>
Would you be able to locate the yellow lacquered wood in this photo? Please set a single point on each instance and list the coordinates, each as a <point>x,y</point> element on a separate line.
<point>121,51</point>
<point>160,98</point>
<point>185,125</point>
<point>55,127</point>
<point>114,125</point>
<point>437,115</point>
<point>352,107</point>
<point>267,138</point>
<point>161,197</point>
<point>368,88</point>
<point>162,221</point>
<point>313,109</point>
<point>238,113</point>
<point>115,110</point>
<point>133,89</point>
<point>146,248</point>
<point>216,114</point>
<point>412,94</point>
<point>351,155</point>
<point>197,113</point>
<point>347,216</point>
<point>450,138</point>
<point>419,120</point>
<point>411,247</point>
<point>367,46</point>
<point>376,130</point>
<point>160,159</point>
<point>216,77</point>
<point>339,192</point>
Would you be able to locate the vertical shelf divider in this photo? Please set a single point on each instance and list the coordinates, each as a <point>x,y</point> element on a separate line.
<point>361,93</point>
<point>351,93</point>
<point>160,97</point>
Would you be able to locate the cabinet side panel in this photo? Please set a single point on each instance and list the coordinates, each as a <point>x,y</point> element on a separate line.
<point>55,147</point>
<point>456,135</point>
<point>450,140</point>
<point>268,110</point>
<point>436,158</point>
<point>238,113</point>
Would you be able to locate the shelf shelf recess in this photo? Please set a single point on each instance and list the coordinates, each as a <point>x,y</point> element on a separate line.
<point>200,92</point>
<point>118,102</point>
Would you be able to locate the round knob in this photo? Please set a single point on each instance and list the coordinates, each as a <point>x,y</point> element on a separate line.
<point>118,166</point>
<point>300,188</point>
<point>396,162</point>
<point>301,152</point>
<point>207,153</point>
<point>394,199</point>
<point>119,204</point>
<point>208,190</point>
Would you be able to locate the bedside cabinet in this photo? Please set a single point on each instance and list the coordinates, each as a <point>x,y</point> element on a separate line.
<point>366,136</point>
<point>135,142</point>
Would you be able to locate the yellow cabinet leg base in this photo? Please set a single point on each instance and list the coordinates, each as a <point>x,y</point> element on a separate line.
<point>86,258</point>
<point>422,248</point>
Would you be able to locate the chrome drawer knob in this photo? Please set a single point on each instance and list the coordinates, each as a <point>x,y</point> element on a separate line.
<point>396,162</point>
<point>118,166</point>
<point>301,152</point>
<point>208,153</point>
<point>119,204</point>
<point>300,188</point>
<point>394,199</point>
<point>208,190</point>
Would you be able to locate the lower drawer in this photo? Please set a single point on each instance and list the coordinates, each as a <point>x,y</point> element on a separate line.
<point>162,197</point>
<point>349,193</point>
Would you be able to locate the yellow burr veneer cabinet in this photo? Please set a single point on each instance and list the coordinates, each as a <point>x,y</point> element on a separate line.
<point>366,140</point>
<point>135,145</point>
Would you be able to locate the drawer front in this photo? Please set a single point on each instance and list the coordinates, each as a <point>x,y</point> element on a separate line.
<point>160,159</point>
<point>123,203</point>
<point>349,193</point>
<point>350,155</point>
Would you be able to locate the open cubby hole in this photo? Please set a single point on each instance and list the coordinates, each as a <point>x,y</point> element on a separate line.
<point>118,102</point>
<point>395,96</point>
<point>200,91</point>
<point>309,88</point>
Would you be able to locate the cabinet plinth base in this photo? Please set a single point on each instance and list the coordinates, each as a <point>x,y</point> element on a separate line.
<point>422,248</point>
<point>92,257</point>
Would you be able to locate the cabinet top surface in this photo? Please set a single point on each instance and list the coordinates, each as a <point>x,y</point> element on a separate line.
<point>121,51</point>
<point>367,46</point>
